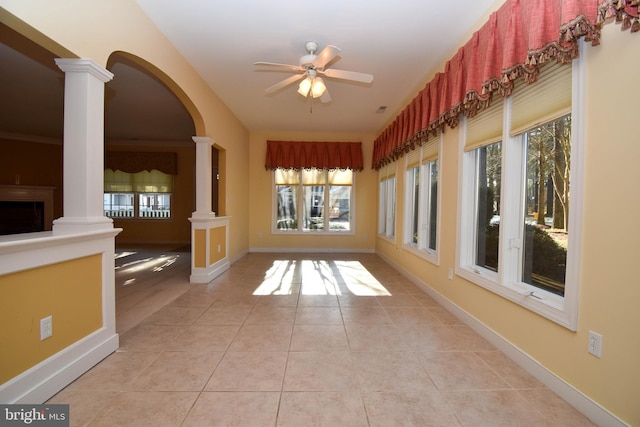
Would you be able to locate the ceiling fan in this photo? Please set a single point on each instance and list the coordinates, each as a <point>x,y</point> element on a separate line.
<point>310,68</point>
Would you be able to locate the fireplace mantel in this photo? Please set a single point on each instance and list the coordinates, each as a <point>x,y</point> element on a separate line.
<point>27,193</point>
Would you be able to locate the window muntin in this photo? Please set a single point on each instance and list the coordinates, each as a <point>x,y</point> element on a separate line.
<point>145,194</point>
<point>313,200</point>
<point>537,288</point>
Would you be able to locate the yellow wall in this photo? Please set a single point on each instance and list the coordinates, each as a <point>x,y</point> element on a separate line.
<point>199,248</point>
<point>70,292</point>
<point>261,195</point>
<point>218,249</point>
<point>609,291</point>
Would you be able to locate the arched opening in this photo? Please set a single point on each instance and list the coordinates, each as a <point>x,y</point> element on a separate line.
<point>148,130</point>
<point>149,126</point>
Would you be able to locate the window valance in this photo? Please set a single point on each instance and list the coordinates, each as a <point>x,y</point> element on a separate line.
<point>518,38</point>
<point>320,155</point>
<point>138,161</point>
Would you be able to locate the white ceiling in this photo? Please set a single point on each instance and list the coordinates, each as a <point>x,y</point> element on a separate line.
<point>400,43</point>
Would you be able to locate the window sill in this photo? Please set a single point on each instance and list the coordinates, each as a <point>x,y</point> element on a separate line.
<point>543,303</point>
<point>430,256</point>
<point>390,239</point>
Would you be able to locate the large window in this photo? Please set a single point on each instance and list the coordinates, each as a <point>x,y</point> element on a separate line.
<point>137,195</point>
<point>421,199</point>
<point>519,162</point>
<point>387,200</point>
<point>313,200</point>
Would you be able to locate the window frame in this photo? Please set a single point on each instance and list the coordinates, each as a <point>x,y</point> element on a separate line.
<point>136,212</point>
<point>421,248</point>
<point>387,196</point>
<point>562,310</point>
<point>299,205</point>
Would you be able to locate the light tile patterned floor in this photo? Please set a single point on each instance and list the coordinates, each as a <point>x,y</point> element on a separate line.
<point>301,340</point>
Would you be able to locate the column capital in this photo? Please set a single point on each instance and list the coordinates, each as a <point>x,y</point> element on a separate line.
<point>83,65</point>
<point>202,140</point>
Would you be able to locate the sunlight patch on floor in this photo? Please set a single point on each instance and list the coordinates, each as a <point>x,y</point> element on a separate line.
<point>320,277</point>
<point>154,264</point>
<point>123,254</point>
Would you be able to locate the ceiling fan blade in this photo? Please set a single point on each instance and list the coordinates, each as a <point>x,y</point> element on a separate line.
<point>325,97</point>
<point>348,75</point>
<point>282,66</point>
<point>285,82</point>
<point>325,56</point>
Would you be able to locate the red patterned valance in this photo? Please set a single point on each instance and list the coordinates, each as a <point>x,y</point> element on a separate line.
<point>517,39</point>
<point>320,155</point>
<point>138,161</point>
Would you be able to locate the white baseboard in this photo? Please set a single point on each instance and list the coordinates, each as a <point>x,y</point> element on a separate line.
<point>239,256</point>
<point>585,405</point>
<point>39,383</point>
<point>205,275</point>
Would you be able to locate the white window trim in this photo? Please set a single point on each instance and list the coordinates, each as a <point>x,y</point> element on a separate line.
<point>427,254</point>
<point>561,310</point>
<point>299,207</point>
<point>389,206</point>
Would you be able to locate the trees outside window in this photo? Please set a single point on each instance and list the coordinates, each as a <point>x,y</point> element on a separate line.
<point>518,195</point>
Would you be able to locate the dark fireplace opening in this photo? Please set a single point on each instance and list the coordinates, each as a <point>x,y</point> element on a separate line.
<point>21,217</point>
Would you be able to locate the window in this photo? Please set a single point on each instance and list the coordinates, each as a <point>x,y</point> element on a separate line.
<point>519,160</point>
<point>421,198</point>
<point>545,199</point>
<point>387,200</point>
<point>313,200</point>
<point>137,195</point>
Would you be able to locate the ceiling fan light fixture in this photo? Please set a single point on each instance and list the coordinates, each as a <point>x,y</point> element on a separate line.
<point>308,69</point>
<point>305,87</point>
<point>318,87</point>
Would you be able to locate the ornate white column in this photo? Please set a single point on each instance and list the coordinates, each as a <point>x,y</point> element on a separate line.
<point>209,234</point>
<point>83,152</point>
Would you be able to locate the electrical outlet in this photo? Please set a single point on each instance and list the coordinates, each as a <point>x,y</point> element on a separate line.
<point>46,328</point>
<point>595,344</point>
<point>451,274</point>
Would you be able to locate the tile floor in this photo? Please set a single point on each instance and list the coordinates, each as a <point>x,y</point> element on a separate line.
<point>299,340</point>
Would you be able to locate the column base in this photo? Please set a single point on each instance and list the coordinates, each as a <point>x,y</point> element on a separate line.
<point>209,247</point>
